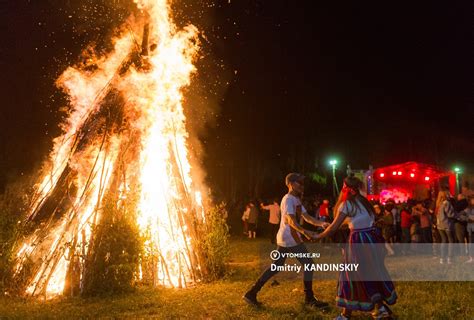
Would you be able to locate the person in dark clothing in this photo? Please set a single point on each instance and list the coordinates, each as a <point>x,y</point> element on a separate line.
<point>460,205</point>
<point>460,222</point>
<point>425,221</point>
<point>469,214</point>
<point>405,224</point>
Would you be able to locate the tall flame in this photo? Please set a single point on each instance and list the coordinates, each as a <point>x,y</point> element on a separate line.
<point>126,119</point>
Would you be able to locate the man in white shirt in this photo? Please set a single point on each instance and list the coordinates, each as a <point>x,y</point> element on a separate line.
<point>289,241</point>
<point>273,219</point>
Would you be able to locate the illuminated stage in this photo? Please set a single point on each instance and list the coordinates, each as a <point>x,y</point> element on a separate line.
<point>409,180</point>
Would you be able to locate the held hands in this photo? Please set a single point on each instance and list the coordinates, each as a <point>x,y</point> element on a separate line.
<point>311,235</point>
<point>325,225</point>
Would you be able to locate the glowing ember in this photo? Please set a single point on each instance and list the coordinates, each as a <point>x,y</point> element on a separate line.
<point>125,132</point>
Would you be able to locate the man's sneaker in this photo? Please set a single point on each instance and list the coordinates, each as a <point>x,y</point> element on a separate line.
<point>381,313</point>
<point>441,261</point>
<point>251,298</point>
<point>314,304</point>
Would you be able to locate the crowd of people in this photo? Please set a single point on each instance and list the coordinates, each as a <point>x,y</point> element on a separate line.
<point>442,221</point>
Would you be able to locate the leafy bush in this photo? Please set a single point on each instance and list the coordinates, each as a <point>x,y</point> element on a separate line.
<point>12,210</point>
<point>113,263</point>
<point>214,243</point>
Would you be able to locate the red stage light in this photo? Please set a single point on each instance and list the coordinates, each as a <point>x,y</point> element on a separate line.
<point>427,178</point>
<point>394,173</point>
<point>412,175</point>
<point>382,175</point>
<point>399,173</point>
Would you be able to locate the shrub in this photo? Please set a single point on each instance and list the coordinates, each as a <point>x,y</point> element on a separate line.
<point>12,211</point>
<point>214,243</point>
<point>113,262</point>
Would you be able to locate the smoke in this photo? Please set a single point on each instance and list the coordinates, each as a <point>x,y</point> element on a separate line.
<point>203,98</point>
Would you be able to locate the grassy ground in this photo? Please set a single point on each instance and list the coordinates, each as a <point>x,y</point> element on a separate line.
<point>222,300</point>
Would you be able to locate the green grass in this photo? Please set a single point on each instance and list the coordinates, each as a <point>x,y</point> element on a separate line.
<point>222,299</point>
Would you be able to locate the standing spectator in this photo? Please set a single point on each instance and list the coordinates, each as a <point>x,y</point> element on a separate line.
<point>325,216</point>
<point>387,230</point>
<point>396,221</point>
<point>273,219</point>
<point>384,221</point>
<point>252,220</point>
<point>434,228</point>
<point>378,221</point>
<point>444,212</point>
<point>460,222</point>
<point>405,224</point>
<point>425,222</point>
<point>245,217</point>
<point>415,236</point>
<point>316,205</point>
<point>470,228</point>
<point>324,211</point>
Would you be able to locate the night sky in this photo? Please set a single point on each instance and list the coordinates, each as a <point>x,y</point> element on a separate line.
<point>283,85</point>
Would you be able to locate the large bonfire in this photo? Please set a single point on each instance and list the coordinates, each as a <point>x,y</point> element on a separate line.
<point>124,142</point>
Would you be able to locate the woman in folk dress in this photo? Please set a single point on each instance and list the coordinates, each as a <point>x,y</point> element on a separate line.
<point>366,247</point>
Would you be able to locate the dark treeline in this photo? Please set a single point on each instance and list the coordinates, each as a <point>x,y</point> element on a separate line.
<point>295,85</point>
